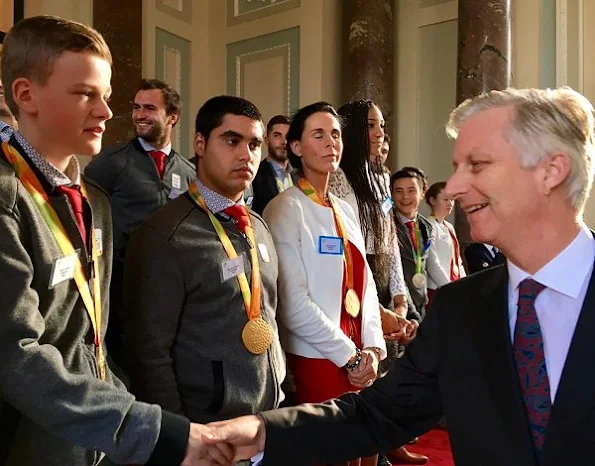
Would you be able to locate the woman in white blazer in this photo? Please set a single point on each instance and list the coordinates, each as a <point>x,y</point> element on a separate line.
<point>446,244</point>
<point>330,349</point>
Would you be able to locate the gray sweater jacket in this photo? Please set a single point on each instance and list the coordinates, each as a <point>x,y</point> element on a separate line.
<point>130,177</point>
<point>53,408</point>
<point>185,324</point>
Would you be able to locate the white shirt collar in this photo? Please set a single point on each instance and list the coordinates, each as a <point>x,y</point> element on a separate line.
<point>404,219</point>
<point>148,147</point>
<point>566,272</point>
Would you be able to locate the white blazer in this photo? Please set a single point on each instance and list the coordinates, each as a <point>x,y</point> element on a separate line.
<point>310,284</point>
<point>443,247</point>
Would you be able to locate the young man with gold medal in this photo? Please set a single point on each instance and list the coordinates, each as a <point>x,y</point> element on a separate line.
<point>201,283</point>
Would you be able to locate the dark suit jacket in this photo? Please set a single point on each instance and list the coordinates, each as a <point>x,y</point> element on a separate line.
<point>418,295</point>
<point>264,186</point>
<point>460,365</point>
<point>479,257</point>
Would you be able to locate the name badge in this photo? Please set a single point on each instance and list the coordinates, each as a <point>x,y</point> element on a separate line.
<point>330,245</point>
<point>176,181</point>
<point>231,268</point>
<point>98,241</point>
<point>264,252</point>
<point>63,270</point>
<point>386,206</point>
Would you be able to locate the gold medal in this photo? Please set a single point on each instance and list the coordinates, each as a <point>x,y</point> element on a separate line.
<point>257,335</point>
<point>352,303</point>
<point>418,280</point>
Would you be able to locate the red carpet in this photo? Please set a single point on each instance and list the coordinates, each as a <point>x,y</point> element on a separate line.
<point>436,446</point>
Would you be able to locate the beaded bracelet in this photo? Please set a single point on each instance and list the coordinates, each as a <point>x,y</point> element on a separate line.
<point>376,350</point>
<point>358,359</point>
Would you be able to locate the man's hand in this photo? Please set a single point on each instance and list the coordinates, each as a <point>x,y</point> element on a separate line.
<point>245,435</point>
<point>410,331</point>
<point>367,370</point>
<point>391,322</point>
<point>199,453</point>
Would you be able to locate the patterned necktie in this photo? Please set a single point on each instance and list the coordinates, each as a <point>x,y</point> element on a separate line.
<point>411,227</point>
<point>76,202</point>
<point>159,158</point>
<point>530,362</point>
<point>240,214</point>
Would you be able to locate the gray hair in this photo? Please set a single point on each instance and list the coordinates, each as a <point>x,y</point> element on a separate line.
<point>546,121</point>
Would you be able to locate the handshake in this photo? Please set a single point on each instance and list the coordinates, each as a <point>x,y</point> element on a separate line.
<point>225,442</point>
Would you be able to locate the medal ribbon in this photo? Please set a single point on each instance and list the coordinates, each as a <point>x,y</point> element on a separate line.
<point>251,298</point>
<point>417,247</point>
<point>40,197</point>
<point>309,191</point>
<point>280,185</point>
<point>455,270</point>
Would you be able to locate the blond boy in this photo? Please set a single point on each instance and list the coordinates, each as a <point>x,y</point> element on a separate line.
<point>59,402</point>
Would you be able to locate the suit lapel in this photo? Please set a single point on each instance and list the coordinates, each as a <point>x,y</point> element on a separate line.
<point>493,341</point>
<point>575,398</point>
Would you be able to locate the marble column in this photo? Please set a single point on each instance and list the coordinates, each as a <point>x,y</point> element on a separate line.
<point>369,55</point>
<point>120,22</point>
<point>484,61</point>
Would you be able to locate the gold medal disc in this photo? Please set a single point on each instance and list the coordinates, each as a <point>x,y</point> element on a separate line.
<point>418,280</point>
<point>352,303</point>
<point>257,335</point>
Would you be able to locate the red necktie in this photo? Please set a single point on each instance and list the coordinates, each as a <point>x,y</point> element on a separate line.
<point>411,226</point>
<point>240,214</point>
<point>76,202</point>
<point>530,362</point>
<point>159,158</point>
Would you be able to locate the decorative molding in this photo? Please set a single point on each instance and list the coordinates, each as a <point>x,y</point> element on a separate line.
<point>172,57</point>
<point>239,11</point>
<point>180,9</point>
<point>284,44</point>
<point>430,3</point>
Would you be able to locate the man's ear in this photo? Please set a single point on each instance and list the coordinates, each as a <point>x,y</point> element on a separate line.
<point>555,171</point>
<point>23,93</point>
<point>173,119</point>
<point>199,144</point>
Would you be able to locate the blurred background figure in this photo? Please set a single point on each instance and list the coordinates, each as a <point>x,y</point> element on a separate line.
<point>446,243</point>
<point>7,121</point>
<point>481,256</point>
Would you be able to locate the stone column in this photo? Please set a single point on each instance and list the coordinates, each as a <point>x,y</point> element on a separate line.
<point>120,22</point>
<point>484,62</point>
<point>369,55</point>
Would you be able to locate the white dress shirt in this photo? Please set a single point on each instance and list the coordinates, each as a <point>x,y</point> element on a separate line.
<point>566,278</point>
<point>149,148</point>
